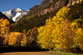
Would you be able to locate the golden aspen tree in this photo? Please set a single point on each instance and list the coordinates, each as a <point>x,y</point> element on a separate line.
<point>57,33</point>
<point>5,26</point>
<point>17,39</point>
<point>78,23</point>
<point>78,39</point>
<point>1,26</point>
<point>62,13</point>
<point>32,37</point>
<point>4,29</point>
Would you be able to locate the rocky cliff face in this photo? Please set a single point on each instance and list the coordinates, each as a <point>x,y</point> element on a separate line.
<point>73,2</point>
<point>46,2</point>
<point>52,5</point>
<point>47,6</point>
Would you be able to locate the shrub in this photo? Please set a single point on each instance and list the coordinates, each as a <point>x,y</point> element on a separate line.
<point>78,23</point>
<point>78,39</point>
<point>4,26</point>
<point>17,39</point>
<point>62,13</point>
<point>4,30</point>
<point>32,37</point>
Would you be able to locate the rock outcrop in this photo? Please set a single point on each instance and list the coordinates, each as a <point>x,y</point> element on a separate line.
<point>73,2</point>
<point>56,4</point>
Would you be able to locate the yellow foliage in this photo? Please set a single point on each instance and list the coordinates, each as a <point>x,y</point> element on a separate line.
<point>12,39</point>
<point>17,39</point>
<point>24,41</point>
<point>4,26</point>
<point>78,39</point>
<point>59,33</point>
<point>5,22</point>
<point>32,37</point>
<point>4,29</point>
<point>62,13</point>
<point>77,24</point>
<point>56,34</point>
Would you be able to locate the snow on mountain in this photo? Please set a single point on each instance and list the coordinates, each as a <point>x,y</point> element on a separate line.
<point>15,14</point>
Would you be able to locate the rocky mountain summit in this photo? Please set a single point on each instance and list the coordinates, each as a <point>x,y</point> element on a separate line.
<point>15,14</point>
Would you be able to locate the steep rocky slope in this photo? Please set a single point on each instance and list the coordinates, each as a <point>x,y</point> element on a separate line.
<point>48,6</point>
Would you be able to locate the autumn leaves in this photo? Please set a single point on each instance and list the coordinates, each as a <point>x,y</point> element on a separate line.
<point>11,38</point>
<point>59,33</point>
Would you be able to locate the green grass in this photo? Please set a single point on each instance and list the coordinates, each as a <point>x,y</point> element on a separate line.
<point>65,53</point>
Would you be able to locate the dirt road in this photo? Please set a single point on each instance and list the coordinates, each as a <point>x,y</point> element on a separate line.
<point>29,53</point>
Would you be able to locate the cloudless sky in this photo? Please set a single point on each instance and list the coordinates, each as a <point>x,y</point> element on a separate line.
<point>23,4</point>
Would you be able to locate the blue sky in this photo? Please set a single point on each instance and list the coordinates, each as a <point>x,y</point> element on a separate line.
<point>23,4</point>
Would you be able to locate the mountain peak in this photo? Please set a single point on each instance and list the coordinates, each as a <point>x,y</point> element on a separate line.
<point>15,14</point>
<point>18,9</point>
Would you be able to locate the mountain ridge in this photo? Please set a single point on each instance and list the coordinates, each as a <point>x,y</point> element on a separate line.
<point>15,14</point>
<point>46,6</point>
<point>37,16</point>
